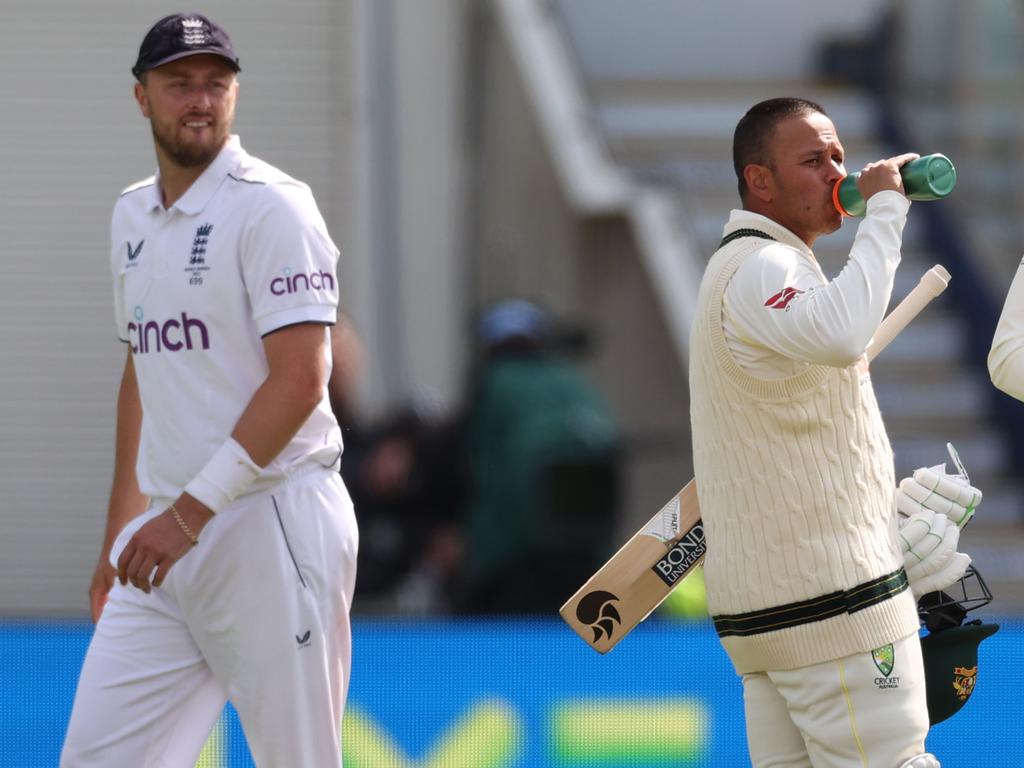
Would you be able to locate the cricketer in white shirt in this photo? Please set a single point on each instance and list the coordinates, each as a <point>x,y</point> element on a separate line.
<point>258,611</point>
<point>243,253</point>
<point>227,569</point>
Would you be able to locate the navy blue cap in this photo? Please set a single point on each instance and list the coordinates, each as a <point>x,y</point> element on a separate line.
<point>183,34</point>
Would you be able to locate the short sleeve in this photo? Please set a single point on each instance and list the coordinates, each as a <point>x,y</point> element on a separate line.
<point>117,277</point>
<point>289,262</point>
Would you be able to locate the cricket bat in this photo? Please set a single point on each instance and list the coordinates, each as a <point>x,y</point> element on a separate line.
<point>663,552</point>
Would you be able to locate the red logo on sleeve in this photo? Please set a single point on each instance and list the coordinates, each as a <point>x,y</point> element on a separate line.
<point>781,299</point>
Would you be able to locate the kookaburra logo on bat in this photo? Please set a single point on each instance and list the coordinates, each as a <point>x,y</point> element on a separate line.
<point>597,610</point>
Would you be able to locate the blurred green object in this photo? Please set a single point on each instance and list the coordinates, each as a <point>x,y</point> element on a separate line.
<point>689,600</point>
<point>542,447</point>
<point>931,177</point>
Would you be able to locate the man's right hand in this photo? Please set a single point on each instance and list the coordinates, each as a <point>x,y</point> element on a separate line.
<point>883,175</point>
<point>99,588</point>
<point>929,541</point>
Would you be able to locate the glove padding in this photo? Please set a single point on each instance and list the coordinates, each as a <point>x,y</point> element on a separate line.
<point>929,541</point>
<point>932,488</point>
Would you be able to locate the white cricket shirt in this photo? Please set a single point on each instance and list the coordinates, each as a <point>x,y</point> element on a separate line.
<point>781,314</point>
<point>242,253</point>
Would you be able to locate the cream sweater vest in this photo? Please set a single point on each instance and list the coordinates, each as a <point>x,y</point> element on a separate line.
<point>795,481</point>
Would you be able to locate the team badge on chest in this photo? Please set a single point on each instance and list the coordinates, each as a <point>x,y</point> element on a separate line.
<point>197,258</point>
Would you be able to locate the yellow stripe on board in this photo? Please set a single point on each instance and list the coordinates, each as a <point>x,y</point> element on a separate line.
<point>215,754</point>
<point>644,730</point>
<point>489,735</point>
<point>366,744</point>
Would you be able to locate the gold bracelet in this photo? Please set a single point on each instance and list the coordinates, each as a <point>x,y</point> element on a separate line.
<point>183,525</point>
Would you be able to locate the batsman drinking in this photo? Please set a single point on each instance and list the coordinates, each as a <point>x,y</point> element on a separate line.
<point>811,572</point>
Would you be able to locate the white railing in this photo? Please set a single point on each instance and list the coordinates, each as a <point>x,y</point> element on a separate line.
<point>593,184</point>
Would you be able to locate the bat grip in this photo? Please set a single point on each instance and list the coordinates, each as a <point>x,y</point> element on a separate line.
<point>932,283</point>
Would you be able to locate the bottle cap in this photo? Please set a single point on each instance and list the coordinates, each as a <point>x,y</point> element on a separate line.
<point>939,177</point>
<point>846,197</point>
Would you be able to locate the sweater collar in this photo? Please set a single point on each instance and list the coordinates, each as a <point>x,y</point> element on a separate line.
<point>740,219</point>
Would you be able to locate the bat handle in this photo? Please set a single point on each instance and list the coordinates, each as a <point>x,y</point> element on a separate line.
<point>932,283</point>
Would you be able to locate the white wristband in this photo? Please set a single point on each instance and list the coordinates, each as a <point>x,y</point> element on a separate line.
<point>225,476</point>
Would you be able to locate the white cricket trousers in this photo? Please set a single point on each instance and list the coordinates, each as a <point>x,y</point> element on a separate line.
<point>853,712</point>
<point>257,613</point>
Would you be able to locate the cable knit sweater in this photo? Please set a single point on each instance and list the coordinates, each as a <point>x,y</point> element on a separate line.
<point>795,480</point>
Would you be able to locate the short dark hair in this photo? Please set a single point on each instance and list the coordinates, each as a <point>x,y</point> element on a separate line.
<point>750,142</point>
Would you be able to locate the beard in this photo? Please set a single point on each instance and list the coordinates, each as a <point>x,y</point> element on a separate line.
<point>189,154</point>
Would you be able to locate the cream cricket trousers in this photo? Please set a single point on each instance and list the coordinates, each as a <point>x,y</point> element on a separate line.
<point>864,711</point>
<point>257,612</point>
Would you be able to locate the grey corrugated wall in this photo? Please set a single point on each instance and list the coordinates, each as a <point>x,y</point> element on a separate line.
<point>70,138</point>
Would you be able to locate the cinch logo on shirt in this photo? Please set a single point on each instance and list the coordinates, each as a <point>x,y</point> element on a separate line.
<point>170,335</point>
<point>317,281</point>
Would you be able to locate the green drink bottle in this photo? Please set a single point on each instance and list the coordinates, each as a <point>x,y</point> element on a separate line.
<point>928,178</point>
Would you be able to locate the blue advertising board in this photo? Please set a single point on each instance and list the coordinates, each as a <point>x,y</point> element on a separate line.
<point>509,693</point>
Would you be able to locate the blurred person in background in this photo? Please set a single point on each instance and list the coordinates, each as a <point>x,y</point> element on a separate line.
<point>232,533</point>
<point>348,357</point>
<point>406,480</point>
<point>404,473</point>
<point>806,572</point>
<point>542,456</point>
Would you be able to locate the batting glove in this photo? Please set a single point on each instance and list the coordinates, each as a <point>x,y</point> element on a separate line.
<point>934,506</point>
<point>929,541</point>
<point>932,488</point>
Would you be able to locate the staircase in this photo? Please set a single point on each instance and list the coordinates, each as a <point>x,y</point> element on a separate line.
<point>675,133</point>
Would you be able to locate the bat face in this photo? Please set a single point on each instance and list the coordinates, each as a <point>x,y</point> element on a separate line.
<point>640,575</point>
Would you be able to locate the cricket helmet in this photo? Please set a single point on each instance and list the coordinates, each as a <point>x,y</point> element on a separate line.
<point>950,649</point>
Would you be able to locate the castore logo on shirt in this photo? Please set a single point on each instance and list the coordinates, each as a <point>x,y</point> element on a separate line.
<point>133,253</point>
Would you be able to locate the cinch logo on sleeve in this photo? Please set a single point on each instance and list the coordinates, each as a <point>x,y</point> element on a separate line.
<point>300,281</point>
<point>170,335</point>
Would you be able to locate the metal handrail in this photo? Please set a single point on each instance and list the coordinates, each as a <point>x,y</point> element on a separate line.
<point>972,298</point>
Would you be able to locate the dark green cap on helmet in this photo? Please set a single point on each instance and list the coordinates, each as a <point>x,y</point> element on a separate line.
<point>951,667</point>
<point>950,649</point>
